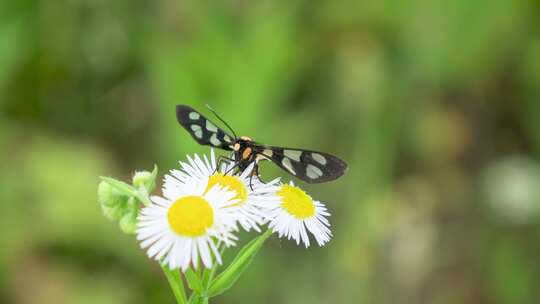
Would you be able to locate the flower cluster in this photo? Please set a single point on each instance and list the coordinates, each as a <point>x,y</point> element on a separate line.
<point>203,205</point>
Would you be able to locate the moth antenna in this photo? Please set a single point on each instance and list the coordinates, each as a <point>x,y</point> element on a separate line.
<point>221,119</point>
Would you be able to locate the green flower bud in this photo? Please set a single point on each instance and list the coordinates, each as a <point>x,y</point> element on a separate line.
<point>141,178</point>
<point>113,213</point>
<point>128,223</point>
<point>120,201</point>
<point>145,179</point>
<point>114,204</point>
<point>109,196</point>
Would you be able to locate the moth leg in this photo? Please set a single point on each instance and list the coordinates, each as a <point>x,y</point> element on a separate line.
<point>250,182</point>
<point>221,160</point>
<point>259,176</point>
<point>236,164</point>
<point>254,172</point>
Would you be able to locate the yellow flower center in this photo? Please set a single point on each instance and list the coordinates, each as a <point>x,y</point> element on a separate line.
<point>190,216</point>
<point>296,202</point>
<point>232,183</point>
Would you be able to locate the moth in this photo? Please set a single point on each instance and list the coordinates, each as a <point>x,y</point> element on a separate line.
<point>307,165</point>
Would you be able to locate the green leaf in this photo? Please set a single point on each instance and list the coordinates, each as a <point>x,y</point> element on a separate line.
<point>129,190</point>
<point>151,185</point>
<point>197,299</point>
<point>206,276</point>
<point>229,276</point>
<point>193,280</point>
<point>176,284</point>
<point>122,187</point>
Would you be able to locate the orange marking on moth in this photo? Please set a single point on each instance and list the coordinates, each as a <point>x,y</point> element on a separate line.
<point>236,147</point>
<point>247,153</point>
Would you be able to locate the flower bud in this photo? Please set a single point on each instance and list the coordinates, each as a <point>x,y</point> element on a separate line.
<point>113,213</point>
<point>128,223</point>
<point>109,196</point>
<point>112,202</point>
<point>145,179</point>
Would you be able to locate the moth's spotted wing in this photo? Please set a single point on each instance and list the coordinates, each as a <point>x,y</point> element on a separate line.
<point>201,129</point>
<point>310,166</point>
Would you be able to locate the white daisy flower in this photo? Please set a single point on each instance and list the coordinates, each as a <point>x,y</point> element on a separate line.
<point>187,223</point>
<point>251,193</point>
<point>295,213</point>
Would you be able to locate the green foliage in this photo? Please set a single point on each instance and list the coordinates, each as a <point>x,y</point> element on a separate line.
<point>120,201</point>
<point>243,259</point>
<point>112,201</point>
<point>194,282</point>
<point>177,286</point>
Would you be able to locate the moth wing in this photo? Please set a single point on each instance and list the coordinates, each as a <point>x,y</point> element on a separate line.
<point>202,129</point>
<point>309,166</point>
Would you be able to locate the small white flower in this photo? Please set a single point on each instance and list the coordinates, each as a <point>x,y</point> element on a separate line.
<point>251,193</point>
<point>295,213</point>
<point>187,223</point>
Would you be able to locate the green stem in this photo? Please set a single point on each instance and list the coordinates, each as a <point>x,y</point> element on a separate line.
<point>198,299</point>
<point>208,275</point>
<point>176,283</point>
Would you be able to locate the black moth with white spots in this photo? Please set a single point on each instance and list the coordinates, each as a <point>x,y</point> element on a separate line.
<point>309,166</point>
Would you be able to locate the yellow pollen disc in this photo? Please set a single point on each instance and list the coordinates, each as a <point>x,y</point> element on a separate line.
<point>190,216</point>
<point>296,202</point>
<point>231,183</point>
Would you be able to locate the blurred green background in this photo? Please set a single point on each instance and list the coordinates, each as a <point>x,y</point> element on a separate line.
<point>434,104</point>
